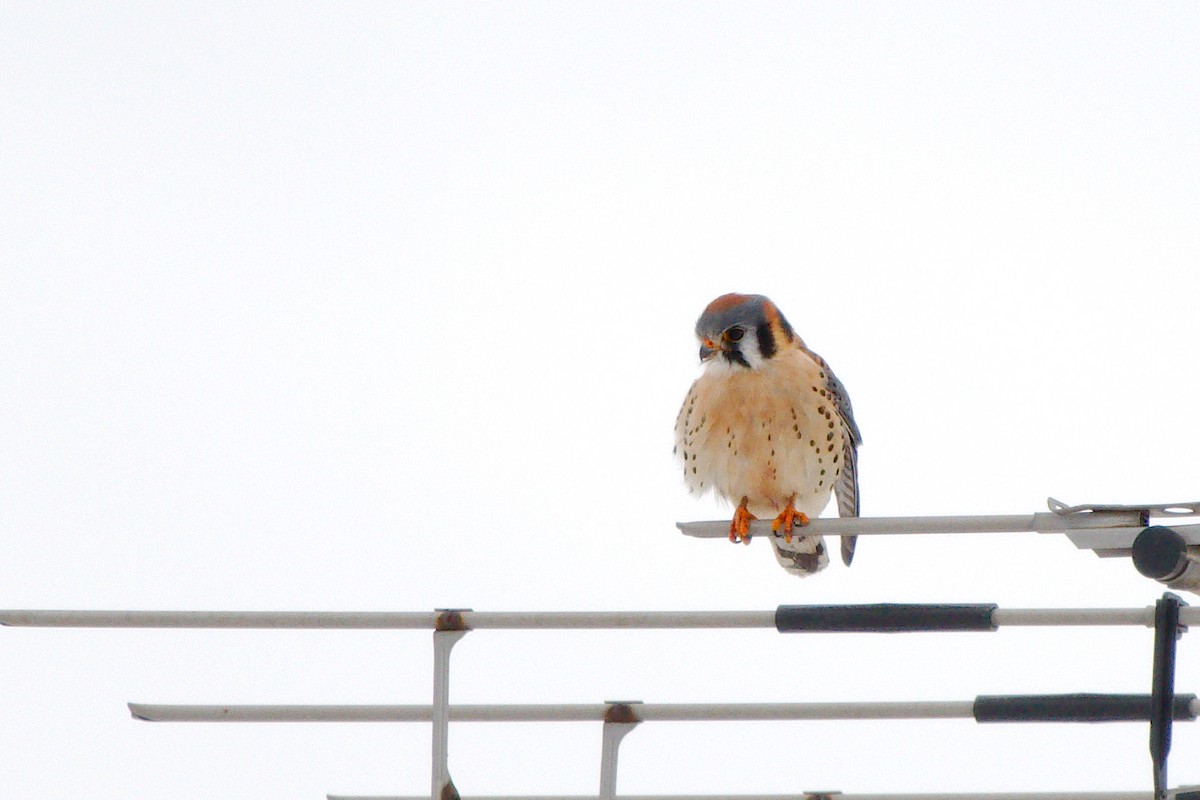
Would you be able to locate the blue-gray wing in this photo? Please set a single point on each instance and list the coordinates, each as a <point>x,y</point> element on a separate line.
<point>846,487</point>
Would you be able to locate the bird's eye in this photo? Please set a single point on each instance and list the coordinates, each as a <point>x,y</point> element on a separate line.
<point>733,335</point>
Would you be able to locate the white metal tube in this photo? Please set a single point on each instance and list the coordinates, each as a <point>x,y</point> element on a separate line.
<point>552,620</point>
<point>1034,617</point>
<point>475,620</point>
<point>151,712</point>
<point>568,712</point>
<point>537,620</point>
<point>580,712</point>
<point>1044,522</point>
<point>805,796</point>
<point>694,712</point>
<point>383,620</point>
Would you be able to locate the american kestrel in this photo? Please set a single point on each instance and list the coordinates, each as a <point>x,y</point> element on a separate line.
<point>768,427</point>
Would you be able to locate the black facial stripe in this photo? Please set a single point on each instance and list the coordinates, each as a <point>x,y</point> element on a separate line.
<point>736,357</point>
<point>766,340</point>
<point>787,328</point>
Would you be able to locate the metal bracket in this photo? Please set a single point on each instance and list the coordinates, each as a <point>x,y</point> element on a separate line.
<point>619,719</point>
<point>1147,510</point>
<point>449,628</point>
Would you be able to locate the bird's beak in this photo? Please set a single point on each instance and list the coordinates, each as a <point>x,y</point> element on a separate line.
<point>708,349</point>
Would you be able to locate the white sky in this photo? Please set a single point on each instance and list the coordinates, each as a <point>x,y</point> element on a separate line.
<point>389,307</point>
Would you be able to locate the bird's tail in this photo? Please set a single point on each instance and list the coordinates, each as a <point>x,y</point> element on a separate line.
<point>848,543</point>
<point>803,556</point>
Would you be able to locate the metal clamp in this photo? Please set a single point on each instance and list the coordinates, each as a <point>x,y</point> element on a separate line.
<point>1189,509</point>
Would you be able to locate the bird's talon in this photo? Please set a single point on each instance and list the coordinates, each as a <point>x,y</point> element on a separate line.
<point>739,527</point>
<point>788,519</point>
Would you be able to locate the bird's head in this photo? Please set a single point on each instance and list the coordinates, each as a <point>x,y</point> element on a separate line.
<point>742,331</point>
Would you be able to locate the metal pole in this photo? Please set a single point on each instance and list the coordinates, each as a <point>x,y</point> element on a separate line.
<point>524,620</point>
<point>1036,617</point>
<point>594,712</point>
<point>1105,795</point>
<point>289,620</point>
<point>1162,689</point>
<point>1043,522</point>
<point>569,712</point>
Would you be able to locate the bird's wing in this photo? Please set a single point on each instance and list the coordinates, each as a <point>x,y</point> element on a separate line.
<point>846,487</point>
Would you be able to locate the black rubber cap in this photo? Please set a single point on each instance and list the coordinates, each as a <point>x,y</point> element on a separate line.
<point>1159,553</point>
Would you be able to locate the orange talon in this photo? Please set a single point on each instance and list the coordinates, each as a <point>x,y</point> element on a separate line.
<point>739,528</point>
<point>789,518</point>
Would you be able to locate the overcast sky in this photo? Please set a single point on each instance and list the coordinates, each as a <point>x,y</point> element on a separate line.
<point>389,306</point>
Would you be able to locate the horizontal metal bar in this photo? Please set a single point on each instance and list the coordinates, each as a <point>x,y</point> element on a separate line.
<point>581,712</point>
<point>578,712</point>
<point>522,620</point>
<point>812,795</point>
<point>388,620</point>
<point>1078,617</point>
<point>222,619</point>
<point>1044,522</point>
<point>557,620</point>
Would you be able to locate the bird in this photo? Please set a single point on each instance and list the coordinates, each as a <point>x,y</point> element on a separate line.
<point>768,427</point>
